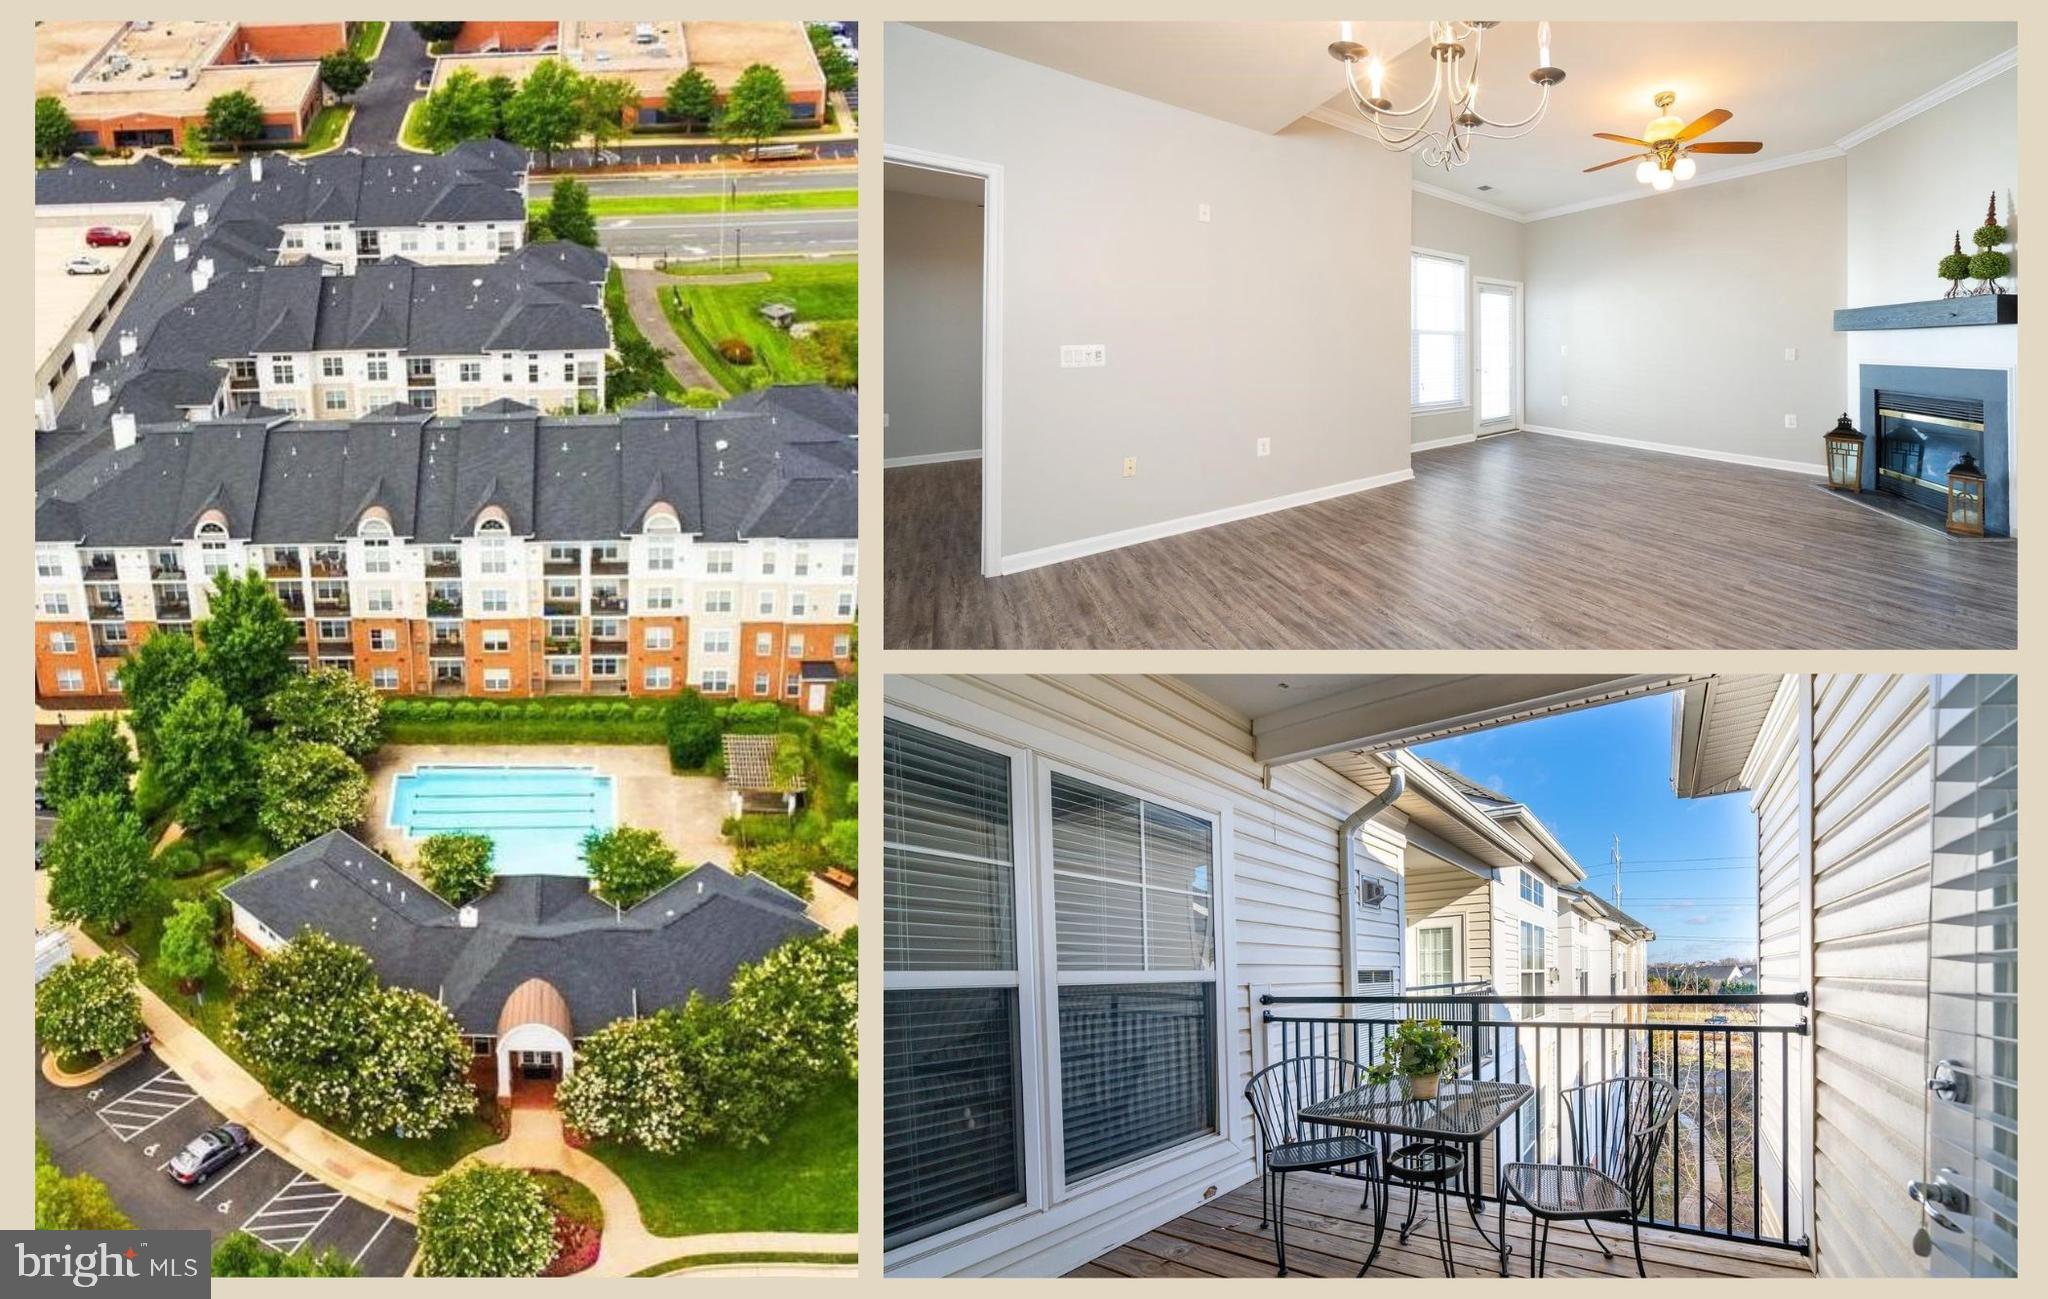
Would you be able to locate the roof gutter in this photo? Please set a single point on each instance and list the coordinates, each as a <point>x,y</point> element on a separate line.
<point>1349,877</point>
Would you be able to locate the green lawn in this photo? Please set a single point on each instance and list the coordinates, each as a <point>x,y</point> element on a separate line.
<point>802,1181</point>
<point>826,293</point>
<point>569,1197</point>
<point>369,39</point>
<point>409,128</point>
<point>328,124</point>
<point>618,205</point>
<point>759,1256</point>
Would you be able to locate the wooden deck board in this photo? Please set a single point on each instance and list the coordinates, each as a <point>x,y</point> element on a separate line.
<point>1328,1234</point>
<point>1521,542</point>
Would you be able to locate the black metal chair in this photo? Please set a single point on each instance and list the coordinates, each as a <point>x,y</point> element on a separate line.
<point>1618,1128</point>
<point>1278,1093</point>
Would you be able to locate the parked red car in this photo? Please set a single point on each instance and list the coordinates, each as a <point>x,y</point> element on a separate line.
<point>107,237</point>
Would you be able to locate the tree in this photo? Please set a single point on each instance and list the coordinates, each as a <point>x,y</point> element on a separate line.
<point>328,705</point>
<point>788,865</point>
<point>839,733</point>
<point>637,368</point>
<point>485,1220</point>
<point>606,103</point>
<point>692,99</point>
<point>546,113</point>
<point>89,759</point>
<point>457,866</point>
<point>840,72</point>
<point>569,213</point>
<point>307,790</point>
<point>344,72</point>
<point>628,863</point>
<point>98,863</point>
<point>438,31</point>
<point>89,1008</point>
<point>842,844</point>
<point>461,108</point>
<point>246,637</point>
<point>797,1009</point>
<point>633,1084</point>
<point>241,1254</point>
<point>786,768</point>
<point>692,730</point>
<point>233,118</point>
<point>54,128</point>
<point>756,107</point>
<point>186,951</point>
<point>153,679</point>
<point>205,758</point>
<point>80,1202</point>
<point>302,1022</point>
<point>414,1076</point>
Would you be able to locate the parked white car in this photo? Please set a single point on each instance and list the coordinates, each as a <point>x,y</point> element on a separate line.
<point>53,948</point>
<point>83,265</point>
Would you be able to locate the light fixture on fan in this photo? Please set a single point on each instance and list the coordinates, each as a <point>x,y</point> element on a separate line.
<point>1669,141</point>
<point>1454,84</point>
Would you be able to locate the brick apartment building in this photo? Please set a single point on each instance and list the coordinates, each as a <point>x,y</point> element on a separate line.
<point>142,84</point>
<point>500,553</point>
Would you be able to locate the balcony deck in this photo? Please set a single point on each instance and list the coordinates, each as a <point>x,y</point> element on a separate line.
<point>1329,1235</point>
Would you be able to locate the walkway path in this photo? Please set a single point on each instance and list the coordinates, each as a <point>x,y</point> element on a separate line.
<point>645,306</point>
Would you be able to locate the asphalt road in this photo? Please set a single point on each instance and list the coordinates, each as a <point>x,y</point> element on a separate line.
<point>124,1128</point>
<point>750,182</point>
<point>795,234</point>
<point>381,104</point>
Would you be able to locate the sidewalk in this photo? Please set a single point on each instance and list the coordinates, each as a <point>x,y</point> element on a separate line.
<point>644,304</point>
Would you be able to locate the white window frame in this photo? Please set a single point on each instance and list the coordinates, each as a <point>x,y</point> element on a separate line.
<point>503,679</point>
<point>1454,923</point>
<point>1463,400</point>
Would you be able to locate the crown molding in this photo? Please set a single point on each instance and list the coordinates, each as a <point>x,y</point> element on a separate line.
<point>1994,66</point>
<point>1464,200</point>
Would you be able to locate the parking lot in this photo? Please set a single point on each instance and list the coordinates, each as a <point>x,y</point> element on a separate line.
<point>124,1128</point>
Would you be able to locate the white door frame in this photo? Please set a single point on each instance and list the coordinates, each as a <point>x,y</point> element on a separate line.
<point>1454,923</point>
<point>991,176</point>
<point>1521,348</point>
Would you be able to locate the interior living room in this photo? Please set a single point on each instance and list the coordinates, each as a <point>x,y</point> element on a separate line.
<point>1278,335</point>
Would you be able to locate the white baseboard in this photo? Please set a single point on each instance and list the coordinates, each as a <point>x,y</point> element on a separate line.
<point>1067,550</point>
<point>1456,441</point>
<point>1672,449</point>
<point>930,458</point>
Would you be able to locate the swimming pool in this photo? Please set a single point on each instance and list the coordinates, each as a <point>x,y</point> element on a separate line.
<point>537,816</point>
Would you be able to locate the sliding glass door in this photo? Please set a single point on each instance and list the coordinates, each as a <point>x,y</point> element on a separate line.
<point>1498,363</point>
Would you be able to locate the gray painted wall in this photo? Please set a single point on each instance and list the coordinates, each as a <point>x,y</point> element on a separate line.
<point>1494,245</point>
<point>1284,316</point>
<point>1666,319</point>
<point>931,276</point>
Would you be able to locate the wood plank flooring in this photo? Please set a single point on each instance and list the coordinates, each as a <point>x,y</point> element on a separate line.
<point>1329,1235</point>
<point>1518,542</point>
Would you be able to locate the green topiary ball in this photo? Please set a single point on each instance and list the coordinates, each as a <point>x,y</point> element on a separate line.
<point>1988,236</point>
<point>1955,266</point>
<point>1990,265</point>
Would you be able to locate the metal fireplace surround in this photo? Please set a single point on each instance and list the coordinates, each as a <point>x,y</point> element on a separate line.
<point>1985,386</point>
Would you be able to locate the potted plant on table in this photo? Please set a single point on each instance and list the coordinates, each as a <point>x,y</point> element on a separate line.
<point>1421,1050</point>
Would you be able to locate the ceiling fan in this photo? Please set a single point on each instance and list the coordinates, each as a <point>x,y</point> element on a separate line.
<point>1669,145</point>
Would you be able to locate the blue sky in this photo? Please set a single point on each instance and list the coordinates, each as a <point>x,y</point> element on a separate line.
<point>1688,865</point>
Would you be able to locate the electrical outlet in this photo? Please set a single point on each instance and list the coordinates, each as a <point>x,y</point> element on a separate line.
<point>1265,446</point>
<point>1201,211</point>
<point>1791,421</point>
<point>1564,401</point>
<point>1564,349</point>
<point>1791,353</point>
<point>1083,356</point>
<point>1130,466</point>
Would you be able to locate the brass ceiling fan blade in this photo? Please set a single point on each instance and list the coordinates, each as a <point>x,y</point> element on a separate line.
<point>1726,146</point>
<point>1616,163</point>
<point>1623,139</point>
<point>1704,123</point>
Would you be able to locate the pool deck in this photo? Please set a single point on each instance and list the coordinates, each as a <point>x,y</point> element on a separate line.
<point>685,810</point>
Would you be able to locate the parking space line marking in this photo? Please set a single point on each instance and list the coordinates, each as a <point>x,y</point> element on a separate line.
<point>358,1259</point>
<point>300,1181</point>
<point>142,1107</point>
<point>247,1160</point>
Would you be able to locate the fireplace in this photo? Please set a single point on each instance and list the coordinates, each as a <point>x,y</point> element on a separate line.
<point>1922,420</point>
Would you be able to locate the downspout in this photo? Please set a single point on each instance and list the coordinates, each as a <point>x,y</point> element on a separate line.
<point>1347,856</point>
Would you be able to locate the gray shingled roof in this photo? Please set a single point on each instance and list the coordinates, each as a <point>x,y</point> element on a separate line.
<point>690,937</point>
<point>751,471</point>
<point>78,179</point>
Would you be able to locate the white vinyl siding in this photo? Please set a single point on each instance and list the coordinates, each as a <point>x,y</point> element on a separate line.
<point>1781,955</point>
<point>1438,890</point>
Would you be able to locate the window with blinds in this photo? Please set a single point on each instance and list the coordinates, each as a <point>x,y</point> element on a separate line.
<point>953,1143</point>
<point>1133,902</point>
<point>1437,332</point>
<point>1973,974</point>
<point>1532,966</point>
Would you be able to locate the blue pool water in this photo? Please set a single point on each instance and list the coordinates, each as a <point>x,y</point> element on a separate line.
<point>537,816</point>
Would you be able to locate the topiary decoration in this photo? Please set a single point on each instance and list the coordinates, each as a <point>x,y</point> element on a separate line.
<point>1955,268</point>
<point>1989,264</point>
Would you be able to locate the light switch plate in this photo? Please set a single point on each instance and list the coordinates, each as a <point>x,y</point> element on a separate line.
<point>1564,401</point>
<point>1201,211</point>
<point>1791,421</point>
<point>1265,446</point>
<point>1791,353</point>
<point>1083,356</point>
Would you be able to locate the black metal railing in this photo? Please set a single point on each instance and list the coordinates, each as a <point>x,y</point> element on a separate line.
<point>1728,1166</point>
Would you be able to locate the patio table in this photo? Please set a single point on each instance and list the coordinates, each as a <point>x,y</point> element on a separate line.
<point>1464,1112</point>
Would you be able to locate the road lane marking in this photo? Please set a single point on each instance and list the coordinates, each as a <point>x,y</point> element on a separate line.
<point>215,1185</point>
<point>358,1259</point>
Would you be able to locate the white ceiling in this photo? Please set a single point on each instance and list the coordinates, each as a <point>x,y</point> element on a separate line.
<point>1797,87</point>
<point>902,178</point>
<point>1261,75</point>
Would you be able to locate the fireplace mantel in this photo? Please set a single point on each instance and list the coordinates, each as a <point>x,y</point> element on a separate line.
<point>1936,313</point>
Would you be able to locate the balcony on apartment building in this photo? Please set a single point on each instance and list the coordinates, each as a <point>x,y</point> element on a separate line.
<point>1720,1196</point>
<point>445,641</point>
<point>99,567</point>
<point>444,601</point>
<point>444,561</point>
<point>330,562</point>
<point>609,598</point>
<point>291,595</point>
<point>104,603</point>
<point>109,647</point>
<point>167,565</point>
<point>565,603</point>
<point>608,563</point>
<point>562,563</point>
<point>332,604</point>
<point>172,600</point>
<point>282,561</point>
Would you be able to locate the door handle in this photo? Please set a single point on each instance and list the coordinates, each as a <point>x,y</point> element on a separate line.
<point>1938,1199</point>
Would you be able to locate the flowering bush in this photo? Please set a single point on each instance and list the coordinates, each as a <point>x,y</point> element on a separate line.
<point>484,1220</point>
<point>308,789</point>
<point>576,1245</point>
<point>89,1008</point>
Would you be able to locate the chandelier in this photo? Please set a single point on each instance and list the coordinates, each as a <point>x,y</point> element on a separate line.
<point>1455,85</point>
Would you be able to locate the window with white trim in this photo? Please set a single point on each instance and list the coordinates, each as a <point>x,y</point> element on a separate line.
<point>717,640</point>
<point>63,642</point>
<point>715,681</point>
<point>497,640</point>
<point>71,681</point>
<point>659,638</point>
<point>1532,887</point>
<point>56,603</point>
<point>333,367</point>
<point>1436,331</point>
<point>764,603</point>
<point>718,601</point>
<point>384,678</point>
<point>1532,964</point>
<point>657,678</point>
<point>497,680</point>
<point>762,686</point>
